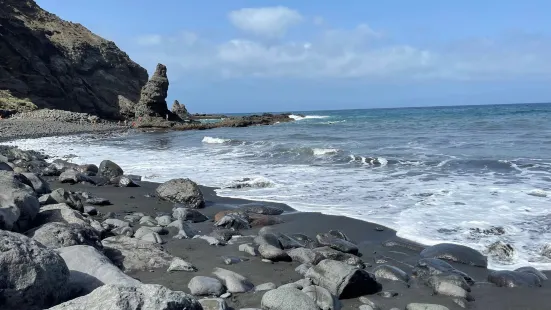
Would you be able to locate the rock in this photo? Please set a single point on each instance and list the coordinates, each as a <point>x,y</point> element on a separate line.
<point>97,201</point>
<point>5,167</point>
<point>57,235</point>
<point>188,215</point>
<point>88,169</point>
<point>370,303</point>
<point>131,254</point>
<point>164,220</point>
<point>33,276</point>
<point>343,280</point>
<point>337,243</point>
<point>418,306</point>
<point>234,282</point>
<point>74,69</point>
<point>18,203</point>
<point>505,278</point>
<point>142,231</point>
<point>338,234</point>
<point>91,269</point>
<point>452,285</point>
<point>273,253</point>
<point>533,271</point>
<point>179,264</point>
<point>153,95</point>
<point>302,269</point>
<point>40,186</point>
<point>213,304</point>
<point>433,266</point>
<point>501,251</point>
<point>133,218</point>
<point>456,253</point>
<point>232,260</point>
<point>148,221</point>
<point>115,223</point>
<point>249,249</point>
<point>261,220</point>
<point>90,210</point>
<point>233,221</point>
<point>72,177</point>
<point>260,209</point>
<point>46,200</point>
<point>153,237</point>
<point>205,286</point>
<point>333,254</point>
<point>123,231</point>
<point>288,298</point>
<point>268,238</point>
<point>180,110</point>
<point>265,287</point>
<point>59,213</point>
<point>182,191</point>
<point>210,240</point>
<point>390,273</point>
<point>322,297</point>
<point>305,241</point>
<point>184,231</point>
<point>305,256</point>
<point>141,297</point>
<point>62,196</point>
<point>109,170</point>
<point>125,181</point>
<point>224,234</point>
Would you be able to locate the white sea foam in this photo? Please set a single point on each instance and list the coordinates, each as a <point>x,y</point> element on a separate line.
<point>298,117</point>
<point>421,205</point>
<point>322,152</point>
<point>211,140</point>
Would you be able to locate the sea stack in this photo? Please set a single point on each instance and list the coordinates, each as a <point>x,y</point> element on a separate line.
<point>180,110</point>
<point>153,96</point>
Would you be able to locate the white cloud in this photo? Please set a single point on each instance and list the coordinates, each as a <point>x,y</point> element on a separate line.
<point>360,52</point>
<point>150,39</point>
<point>268,21</point>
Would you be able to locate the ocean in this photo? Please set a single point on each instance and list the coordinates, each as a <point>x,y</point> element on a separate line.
<point>471,175</point>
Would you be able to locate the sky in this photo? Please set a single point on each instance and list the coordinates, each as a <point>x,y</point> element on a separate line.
<point>298,55</point>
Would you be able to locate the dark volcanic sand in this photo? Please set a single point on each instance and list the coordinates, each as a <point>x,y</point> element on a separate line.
<point>206,257</point>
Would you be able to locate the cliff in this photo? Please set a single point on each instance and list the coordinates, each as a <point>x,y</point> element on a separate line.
<point>47,62</point>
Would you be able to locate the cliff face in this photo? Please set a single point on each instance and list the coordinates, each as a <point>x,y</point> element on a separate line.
<point>56,64</point>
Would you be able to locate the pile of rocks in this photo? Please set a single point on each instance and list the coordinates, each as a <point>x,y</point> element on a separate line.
<point>57,115</point>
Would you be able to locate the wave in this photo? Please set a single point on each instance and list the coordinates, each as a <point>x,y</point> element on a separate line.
<point>212,140</point>
<point>321,152</point>
<point>299,117</point>
<point>248,183</point>
<point>371,161</point>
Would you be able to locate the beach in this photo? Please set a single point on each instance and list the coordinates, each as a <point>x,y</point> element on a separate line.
<point>377,246</point>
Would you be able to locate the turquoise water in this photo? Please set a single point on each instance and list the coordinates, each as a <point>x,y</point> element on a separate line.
<point>433,174</point>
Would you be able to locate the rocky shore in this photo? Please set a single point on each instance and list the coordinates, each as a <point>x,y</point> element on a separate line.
<point>93,237</point>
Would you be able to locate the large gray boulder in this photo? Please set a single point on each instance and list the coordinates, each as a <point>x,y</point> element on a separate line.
<point>205,286</point>
<point>57,235</point>
<point>31,275</point>
<point>18,203</point>
<point>322,297</point>
<point>234,282</point>
<point>109,170</point>
<point>131,254</point>
<point>390,273</point>
<point>183,191</point>
<point>91,269</point>
<point>61,195</point>
<point>40,186</point>
<point>60,213</point>
<point>141,297</point>
<point>287,298</point>
<point>343,280</point>
<point>506,278</point>
<point>188,215</point>
<point>456,253</point>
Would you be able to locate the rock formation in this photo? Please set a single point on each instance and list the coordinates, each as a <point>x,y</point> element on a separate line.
<point>153,96</point>
<point>51,63</point>
<point>180,110</point>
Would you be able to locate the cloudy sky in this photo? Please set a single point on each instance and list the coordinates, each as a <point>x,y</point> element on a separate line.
<point>298,55</point>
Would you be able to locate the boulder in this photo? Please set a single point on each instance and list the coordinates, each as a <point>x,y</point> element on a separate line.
<point>140,297</point>
<point>90,210</point>
<point>98,201</point>
<point>88,169</point>
<point>125,181</point>
<point>261,220</point>
<point>183,191</point>
<point>179,264</point>
<point>152,237</point>
<point>337,243</point>
<point>180,110</point>
<point>62,196</point>
<point>333,254</point>
<point>46,200</point>
<point>91,269</point>
<point>288,298</point>
<point>456,253</point>
<point>343,280</point>
<point>233,221</point>
<point>164,220</point>
<point>148,221</point>
<point>131,254</point>
<point>305,241</point>
<point>234,282</point>
<point>18,203</point>
<point>60,212</point>
<point>122,231</point>
<point>390,273</point>
<point>153,95</point>
<point>109,170</point>
<point>273,253</point>
<point>323,298</point>
<point>432,266</point>
<point>533,271</point>
<point>506,278</point>
<point>205,286</point>
<point>72,177</point>
<point>40,186</point>
<point>305,256</point>
<point>265,287</point>
<point>302,269</point>
<point>188,215</point>
<point>32,276</point>
<point>57,235</point>
<point>501,251</point>
<point>5,167</point>
<point>115,223</point>
<point>419,306</point>
<point>213,304</point>
<point>450,285</point>
<point>184,230</point>
<point>260,209</point>
<point>249,249</point>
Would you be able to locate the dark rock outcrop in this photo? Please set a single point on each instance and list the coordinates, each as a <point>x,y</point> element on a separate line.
<point>51,63</point>
<point>180,110</point>
<point>153,96</point>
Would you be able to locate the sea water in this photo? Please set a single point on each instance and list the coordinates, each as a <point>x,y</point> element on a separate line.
<point>470,175</point>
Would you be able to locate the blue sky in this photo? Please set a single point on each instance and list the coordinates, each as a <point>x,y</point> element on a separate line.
<point>252,56</point>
